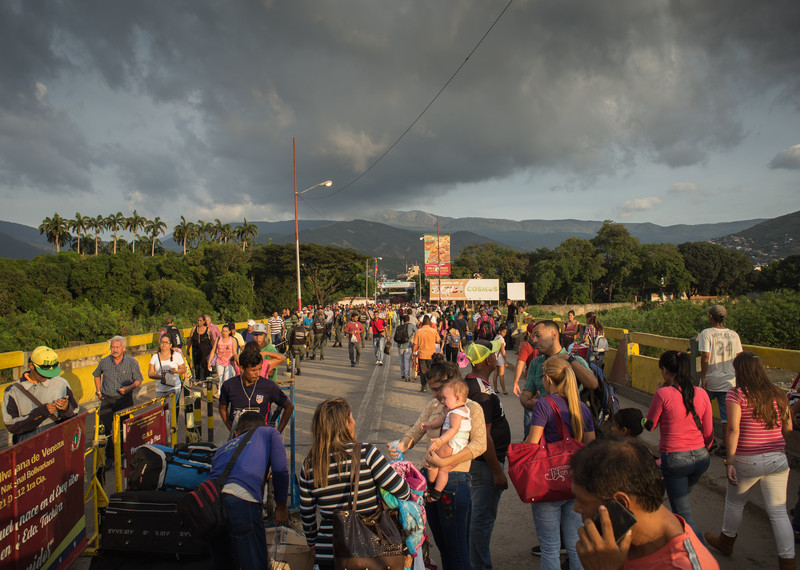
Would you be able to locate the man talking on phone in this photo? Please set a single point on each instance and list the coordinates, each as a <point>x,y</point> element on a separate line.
<point>617,484</point>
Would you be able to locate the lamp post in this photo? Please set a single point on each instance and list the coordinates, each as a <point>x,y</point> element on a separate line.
<point>327,183</point>
<point>375,302</point>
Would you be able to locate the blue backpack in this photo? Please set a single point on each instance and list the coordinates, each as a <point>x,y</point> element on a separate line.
<point>158,467</point>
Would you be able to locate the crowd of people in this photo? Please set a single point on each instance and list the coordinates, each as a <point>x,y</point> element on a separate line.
<point>468,429</point>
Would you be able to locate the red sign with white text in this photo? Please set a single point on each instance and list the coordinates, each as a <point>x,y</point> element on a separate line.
<point>42,522</point>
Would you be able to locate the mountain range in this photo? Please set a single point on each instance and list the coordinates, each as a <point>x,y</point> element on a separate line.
<point>395,235</point>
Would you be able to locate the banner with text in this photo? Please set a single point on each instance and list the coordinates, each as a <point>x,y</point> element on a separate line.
<point>437,254</point>
<point>42,522</point>
<point>466,289</point>
<point>147,427</point>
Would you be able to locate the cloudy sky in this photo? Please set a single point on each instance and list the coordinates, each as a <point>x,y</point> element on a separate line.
<point>668,112</point>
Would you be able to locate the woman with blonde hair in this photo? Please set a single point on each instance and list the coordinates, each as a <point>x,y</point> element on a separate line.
<point>556,519</point>
<point>325,477</point>
<point>758,422</point>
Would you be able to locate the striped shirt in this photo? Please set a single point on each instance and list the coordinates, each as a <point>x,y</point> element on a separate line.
<point>375,472</point>
<point>275,325</point>
<point>754,438</point>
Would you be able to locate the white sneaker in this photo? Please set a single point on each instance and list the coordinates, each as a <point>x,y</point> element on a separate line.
<point>377,362</point>
<point>380,363</point>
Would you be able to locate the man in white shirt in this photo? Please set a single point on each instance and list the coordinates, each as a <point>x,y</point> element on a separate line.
<point>718,346</point>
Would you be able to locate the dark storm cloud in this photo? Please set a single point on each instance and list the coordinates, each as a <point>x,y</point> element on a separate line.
<point>582,88</point>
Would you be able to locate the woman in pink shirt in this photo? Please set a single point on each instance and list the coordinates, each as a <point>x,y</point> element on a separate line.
<point>758,421</point>
<point>683,413</point>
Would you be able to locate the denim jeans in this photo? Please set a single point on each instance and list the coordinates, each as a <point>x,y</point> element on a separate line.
<point>354,349</point>
<point>681,470</point>
<point>526,422</point>
<point>245,539</point>
<point>449,521</point>
<point>555,520</point>
<point>485,499</point>
<point>379,342</point>
<point>720,398</point>
<point>224,372</point>
<point>405,362</point>
<point>771,471</point>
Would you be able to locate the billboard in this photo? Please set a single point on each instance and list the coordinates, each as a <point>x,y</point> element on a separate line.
<point>42,522</point>
<point>516,291</point>
<point>437,254</point>
<point>466,289</point>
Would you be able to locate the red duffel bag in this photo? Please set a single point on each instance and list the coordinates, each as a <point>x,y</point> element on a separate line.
<point>540,472</point>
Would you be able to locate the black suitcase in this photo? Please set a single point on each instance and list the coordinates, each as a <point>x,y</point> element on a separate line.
<point>148,521</point>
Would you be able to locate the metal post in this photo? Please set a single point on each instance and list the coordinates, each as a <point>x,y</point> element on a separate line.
<point>296,229</point>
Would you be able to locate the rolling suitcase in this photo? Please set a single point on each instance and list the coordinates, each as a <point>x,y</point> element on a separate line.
<point>148,521</point>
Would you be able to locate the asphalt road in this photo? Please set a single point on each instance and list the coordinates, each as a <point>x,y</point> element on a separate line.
<point>384,407</point>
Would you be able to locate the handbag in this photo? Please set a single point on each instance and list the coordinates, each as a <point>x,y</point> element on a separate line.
<point>202,510</point>
<point>366,542</point>
<point>540,472</point>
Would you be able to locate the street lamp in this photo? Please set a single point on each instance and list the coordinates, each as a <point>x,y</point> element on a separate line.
<point>327,183</point>
<point>366,279</point>
<point>375,302</point>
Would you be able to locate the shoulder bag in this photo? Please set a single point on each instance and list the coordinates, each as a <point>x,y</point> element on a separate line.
<point>540,471</point>
<point>202,510</point>
<point>366,542</point>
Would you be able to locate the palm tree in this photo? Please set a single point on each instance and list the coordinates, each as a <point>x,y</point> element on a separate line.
<point>219,230</point>
<point>80,224</point>
<point>155,228</point>
<point>182,233</point>
<point>116,222</point>
<point>98,224</point>
<point>204,230</point>
<point>57,232</point>
<point>134,224</point>
<point>227,232</point>
<point>245,232</point>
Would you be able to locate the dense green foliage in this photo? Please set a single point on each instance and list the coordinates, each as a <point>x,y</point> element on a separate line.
<point>54,299</point>
<point>615,267</point>
<point>767,319</point>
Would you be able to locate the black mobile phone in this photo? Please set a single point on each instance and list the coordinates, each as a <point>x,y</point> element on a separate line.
<point>622,520</point>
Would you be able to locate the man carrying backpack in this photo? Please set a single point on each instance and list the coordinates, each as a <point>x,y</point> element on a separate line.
<point>484,327</point>
<point>402,338</point>
<point>378,328</point>
<point>297,341</point>
<point>174,335</point>
<point>320,329</point>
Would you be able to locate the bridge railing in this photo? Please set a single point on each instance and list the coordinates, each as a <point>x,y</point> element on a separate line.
<point>78,363</point>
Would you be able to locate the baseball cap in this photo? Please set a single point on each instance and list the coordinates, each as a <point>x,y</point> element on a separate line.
<point>251,323</point>
<point>718,312</point>
<point>480,350</point>
<point>259,328</point>
<point>45,360</point>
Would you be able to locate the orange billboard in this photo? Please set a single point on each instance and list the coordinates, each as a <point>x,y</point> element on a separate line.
<point>437,254</point>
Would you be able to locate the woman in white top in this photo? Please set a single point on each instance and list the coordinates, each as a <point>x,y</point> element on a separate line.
<point>166,367</point>
<point>500,369</point>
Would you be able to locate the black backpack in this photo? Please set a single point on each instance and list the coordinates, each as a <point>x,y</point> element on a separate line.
<point>299,333</point>
<point>602,401</point>
<point>401,334</point>
<point>485,330</point>
<point>174,336</point>
<point>319,326</point>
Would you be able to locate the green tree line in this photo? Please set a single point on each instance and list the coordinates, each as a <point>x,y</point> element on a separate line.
<point>615,267</point>
<point>55,299</point>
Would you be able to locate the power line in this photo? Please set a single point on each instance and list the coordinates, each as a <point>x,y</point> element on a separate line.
<point>428,106</point>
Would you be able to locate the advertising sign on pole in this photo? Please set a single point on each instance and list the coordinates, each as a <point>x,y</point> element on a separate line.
<point>42,522</point>
<point>465,289</point>
<point>437,255</point>
<point>516,291</point>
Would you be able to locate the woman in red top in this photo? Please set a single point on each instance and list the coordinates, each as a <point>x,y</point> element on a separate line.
<point>758,421</point>
<point>683,412</point>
